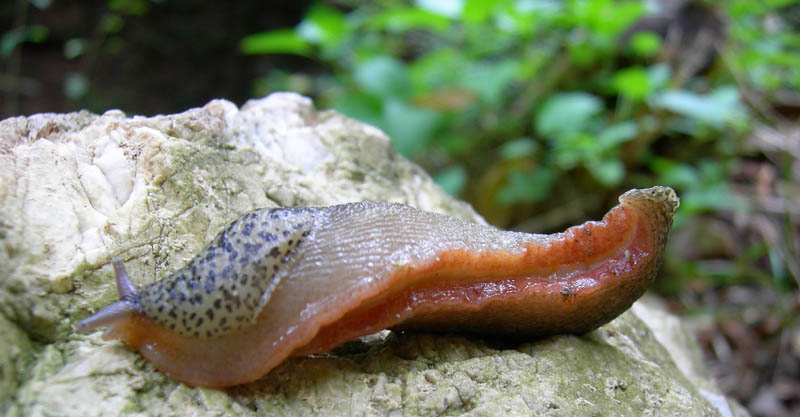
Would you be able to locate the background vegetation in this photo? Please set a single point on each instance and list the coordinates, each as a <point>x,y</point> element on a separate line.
<point>537,112</point>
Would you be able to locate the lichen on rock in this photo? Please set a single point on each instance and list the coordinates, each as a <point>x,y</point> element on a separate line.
<point>78,189</point>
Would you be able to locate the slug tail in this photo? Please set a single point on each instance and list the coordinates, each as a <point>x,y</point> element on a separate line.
<point>118,311</point>
<point>659,205</point>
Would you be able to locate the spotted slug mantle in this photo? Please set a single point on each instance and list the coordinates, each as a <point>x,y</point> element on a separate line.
<point>284,282</point>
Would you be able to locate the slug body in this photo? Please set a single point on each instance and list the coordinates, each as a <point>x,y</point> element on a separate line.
<point>284,282</point>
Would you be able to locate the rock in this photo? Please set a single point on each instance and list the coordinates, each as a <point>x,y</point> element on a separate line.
<point>78,189</point>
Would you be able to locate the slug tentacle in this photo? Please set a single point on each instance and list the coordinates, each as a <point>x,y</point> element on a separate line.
<point>107,316</point>
<point>125,287</point>
<point>283,282</point>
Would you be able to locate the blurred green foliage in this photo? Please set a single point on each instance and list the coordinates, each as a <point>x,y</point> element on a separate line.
<point>524,106</point>
<point>105,39</point>
<point>538,112</point>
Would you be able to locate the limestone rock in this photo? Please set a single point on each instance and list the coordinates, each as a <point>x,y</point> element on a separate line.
<point>78,189</point>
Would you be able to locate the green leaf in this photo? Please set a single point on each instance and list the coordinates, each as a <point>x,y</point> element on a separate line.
<point>410,128</point>
<point>323,25</point>
<point>74,48</point>
<point>527,187</point>
<point>675,174</point>
<point>605,17</point>
<point>489,79</point>
<point>111,23</point>
<point>75,85</point>
<point>41,4</point>
<point>37,33</point>
<point>715,109</point>
<point>404,19</point>
<point>435,69</point>
<point>14,37</point>
<point>712,197</point>
<point>633,83</point>
<point>281,41</point>
<point>574,149</point>
<point>608,171</point>
<point>131,7</point>
<point>566,113</point>
<point>518,148</point>
<point>360,106</point>
<point>477,11</point>
<point>10,40</point>
<point>452,142</point>
<point>447,8</point>
<point>778,3</point>
<point>659,75</point>
<point>611,136</point>
<point>583,54</point>
<point>777,265</point>
<point>452,180</point>
<point>383,76</point>
<point>645,44</point>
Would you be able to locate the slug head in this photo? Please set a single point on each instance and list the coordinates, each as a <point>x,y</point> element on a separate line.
<point>117,315</point>
<point>221,290</point>
<point>227,284</point>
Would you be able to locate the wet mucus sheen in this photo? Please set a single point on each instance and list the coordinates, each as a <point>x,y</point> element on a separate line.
<point>227,284</point>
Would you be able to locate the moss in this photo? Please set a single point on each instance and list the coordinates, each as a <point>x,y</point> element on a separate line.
<point>16,355</point>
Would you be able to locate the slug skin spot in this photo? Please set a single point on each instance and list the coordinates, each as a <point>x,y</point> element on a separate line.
<point>328,275</point>
<point>198,281</point>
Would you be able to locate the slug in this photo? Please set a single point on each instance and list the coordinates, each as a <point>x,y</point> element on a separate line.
<point>297,281</point>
